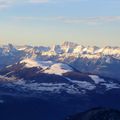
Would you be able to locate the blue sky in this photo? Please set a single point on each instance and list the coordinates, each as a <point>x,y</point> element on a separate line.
<point>47,22</point>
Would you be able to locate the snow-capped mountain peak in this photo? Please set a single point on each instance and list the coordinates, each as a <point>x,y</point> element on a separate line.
<point>30,63</point>
<point>47,66</point>
<point>59,69</point>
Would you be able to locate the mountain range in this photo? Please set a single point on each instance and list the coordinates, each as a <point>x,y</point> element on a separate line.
<point>101,61</point>
<point>70,77</point>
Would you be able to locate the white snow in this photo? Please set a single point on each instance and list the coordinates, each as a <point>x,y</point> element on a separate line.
<point>59,69</point>
<point>4,78</point>
<point>48,66</point>
<point>8,66</point>
<point>108,60</point>
<point>58,87</point>
<point>21,49</point>
<point>78,49</point>
<point>84,84</point>
<point>20,82</point>
<point>72,87</point>
<point>111,85</point>
<point>99,50</point>
<point>96,79</point>
<point>49,87</point>
<point>111,50</point>
<point>35,63</point>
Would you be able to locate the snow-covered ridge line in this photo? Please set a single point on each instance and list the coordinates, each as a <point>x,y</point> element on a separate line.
<point>47,66</point>
<point>66,47</point>
<point>36,63</point>
<point>66,50</point>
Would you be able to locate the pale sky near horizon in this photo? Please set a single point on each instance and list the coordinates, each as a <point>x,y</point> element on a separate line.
<point>47,22</point>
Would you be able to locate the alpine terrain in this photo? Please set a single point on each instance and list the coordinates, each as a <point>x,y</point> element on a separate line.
<point>51,83</point>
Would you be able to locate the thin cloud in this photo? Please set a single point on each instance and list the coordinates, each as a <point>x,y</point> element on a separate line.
<point>6,3</point>
<point>93,20</point>
<point>88,20</point>
<point>53,1</point>
<point>39,1</point>
<point>37,18</point>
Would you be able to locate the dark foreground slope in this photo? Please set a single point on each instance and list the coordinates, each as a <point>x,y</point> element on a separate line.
<point>32,93</point>
<point>55,108</point>
<point>97,114</point>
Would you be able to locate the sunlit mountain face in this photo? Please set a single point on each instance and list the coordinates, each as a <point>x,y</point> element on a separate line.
<point>51,83</point>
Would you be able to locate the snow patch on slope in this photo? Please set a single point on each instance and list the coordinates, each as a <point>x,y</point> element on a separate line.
<point>96,79</point>
<point>84,84</point>
<point>110,86</point>
<point>4,78</point>
<point>57,87</point>
<point>59,69</point>
<point>35,63</point>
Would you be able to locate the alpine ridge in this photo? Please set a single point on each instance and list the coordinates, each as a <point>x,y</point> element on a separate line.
<point>58,81</point>
<point>102,61</point>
